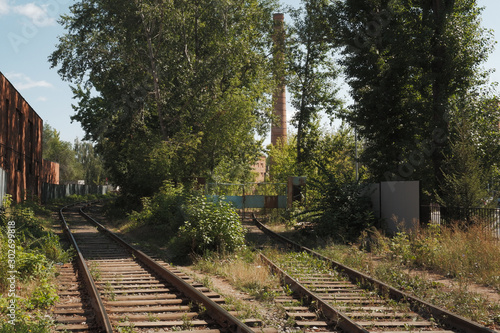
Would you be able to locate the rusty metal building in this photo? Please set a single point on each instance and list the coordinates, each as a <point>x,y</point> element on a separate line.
<point>21,162</point>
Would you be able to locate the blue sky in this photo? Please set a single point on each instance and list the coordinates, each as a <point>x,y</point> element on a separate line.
<point>28,35</point>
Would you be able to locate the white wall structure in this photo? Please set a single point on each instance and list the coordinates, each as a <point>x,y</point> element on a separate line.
<point>400,205</point>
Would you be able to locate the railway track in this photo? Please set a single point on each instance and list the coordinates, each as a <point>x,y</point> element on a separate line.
<point>113,287</point>
<point>325,295</point>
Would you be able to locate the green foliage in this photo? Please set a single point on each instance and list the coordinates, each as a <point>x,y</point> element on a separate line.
<point>335,151</point>
<point>164,209</point>
<point>211,226</point>
<point>196,92</point>
<point>61,152</point>
<point>283,160</point>
<point>405,63</point>
<point>312,73</point>
<point>91,163</point>
<point>38,324</point>
<point>342,209</point>
<point>36,250</point>
<point>463,184</point>
<point>43,297</point>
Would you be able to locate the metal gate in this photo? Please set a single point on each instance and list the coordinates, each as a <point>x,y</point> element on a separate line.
<point>249,195</point>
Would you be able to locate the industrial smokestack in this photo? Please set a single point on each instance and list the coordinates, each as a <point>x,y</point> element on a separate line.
<point>278,129</point>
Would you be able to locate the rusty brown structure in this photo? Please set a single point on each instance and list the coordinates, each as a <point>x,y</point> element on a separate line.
<point>21,131</point>
<point>278,129</point>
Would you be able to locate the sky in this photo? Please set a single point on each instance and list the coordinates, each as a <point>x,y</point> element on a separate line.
<point>29,33</point>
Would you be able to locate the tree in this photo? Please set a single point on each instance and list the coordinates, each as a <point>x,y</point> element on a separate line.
<point>334,152</point>
<point>473,156</point>
<point>165,76</point>
<point>311,73</point>
<point>405,61</point>
<point>463,184</point>
<point>61,152</point>
<point>91,163</point>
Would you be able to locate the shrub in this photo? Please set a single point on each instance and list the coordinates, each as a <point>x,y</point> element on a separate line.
<point>342,210</point>
<point>211,226</point>
<point>163,209</point>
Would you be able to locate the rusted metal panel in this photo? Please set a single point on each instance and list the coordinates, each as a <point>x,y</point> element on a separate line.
<point>21,132</point>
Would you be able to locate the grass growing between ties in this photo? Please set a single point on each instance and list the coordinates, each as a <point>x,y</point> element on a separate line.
<point>243,270</point>
<point>29,252</point>
<point>465,256</point>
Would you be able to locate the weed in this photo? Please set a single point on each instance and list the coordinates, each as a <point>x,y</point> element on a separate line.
<point>187,323</point>
<point>109,291</point>
<point>126,329</point>
<point>95,272</point>
<point>44,296</point>
<point>152,317</point>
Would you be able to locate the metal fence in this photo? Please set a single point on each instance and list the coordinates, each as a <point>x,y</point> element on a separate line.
<point>436,214</point>
<point>250,195</point>
<point>54,191</point>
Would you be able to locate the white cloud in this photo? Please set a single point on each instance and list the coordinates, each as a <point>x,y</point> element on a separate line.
<point>4,7</point>
<point>42,99</point>
<point>37,14</point>
<point>24,82</point>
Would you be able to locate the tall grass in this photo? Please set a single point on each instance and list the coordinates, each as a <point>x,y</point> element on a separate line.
<point>468,254</point>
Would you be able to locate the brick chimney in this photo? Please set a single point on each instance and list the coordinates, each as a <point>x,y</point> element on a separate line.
<point>278,129</point>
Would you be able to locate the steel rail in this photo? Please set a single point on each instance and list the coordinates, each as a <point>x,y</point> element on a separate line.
<point>338,318</point>
<point>95,298</point>
<point>219,314</point>
<point>416,304</point>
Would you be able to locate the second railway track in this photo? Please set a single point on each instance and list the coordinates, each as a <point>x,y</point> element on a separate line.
<point>133,290</point>
<point>328,296</point>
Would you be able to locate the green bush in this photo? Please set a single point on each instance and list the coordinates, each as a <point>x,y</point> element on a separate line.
<point>43,297</point>
<point>163,209</point>
<point>211,226</point>
<point>36,250</point>
<point>342,210</point>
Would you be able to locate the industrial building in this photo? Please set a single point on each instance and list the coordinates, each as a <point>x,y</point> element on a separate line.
<point>22,169</point>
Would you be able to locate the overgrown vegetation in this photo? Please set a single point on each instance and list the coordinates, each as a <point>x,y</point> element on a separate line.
<point>195,223</point>
<point>76,162</point>
<point>28,255</point>
<point>336,200</point>
<point>464,256</point>
<point>469,255</point>
<point>343,209</point>
<point>211,225</point>
<point>244,271</point>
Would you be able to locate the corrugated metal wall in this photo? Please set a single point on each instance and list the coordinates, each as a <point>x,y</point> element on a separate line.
<point>3,185</point>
